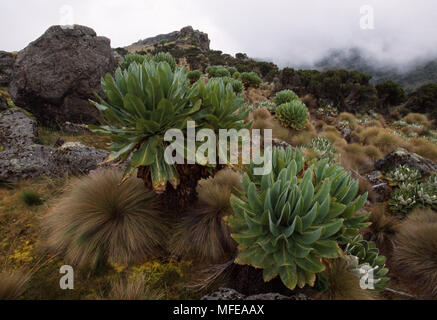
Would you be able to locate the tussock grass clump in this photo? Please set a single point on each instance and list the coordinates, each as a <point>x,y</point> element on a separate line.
<point>353,158</point>
<point>349,117</point>
<point>383,228</point>
<point>373,123</point>
<point>387,142</point>
<point>372,152</point>
<point>203,234</point>
<point>278,131</point>
<point>134,287</point>
<point>309,101</point>
<point>343,283</point>
<point>417,118</point>
<point>368,135</point>
<point>13,284</point>
<point>319,125</point>
<point>331,136</point>
<point>332,129</point>
<point>100,219</point>
<point>31,198</point>
<point>261,113</point>
<point>302,137</point>
<point>415,252</point>
<point>423,147</point>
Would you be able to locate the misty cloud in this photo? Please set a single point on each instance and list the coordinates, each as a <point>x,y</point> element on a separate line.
<point>286,32</point>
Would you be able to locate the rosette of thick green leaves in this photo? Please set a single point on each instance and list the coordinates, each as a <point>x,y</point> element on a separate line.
<point>131,58</point>
<point>146,101</point>
<point>287,222</point>
<point>221,107</point>
<point>293,114</point>
<point>364,258</point>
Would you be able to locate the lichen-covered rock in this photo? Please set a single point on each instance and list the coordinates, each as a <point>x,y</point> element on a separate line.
<point>232,295</point>
<point>77,158</point>
<point>55,75</point>
<point>6,68</point>
<point>402,156</point>
<point>17,130</point>
<point>21,157</point>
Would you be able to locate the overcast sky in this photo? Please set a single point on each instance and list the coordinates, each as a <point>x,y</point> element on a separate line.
<point>286,32</point>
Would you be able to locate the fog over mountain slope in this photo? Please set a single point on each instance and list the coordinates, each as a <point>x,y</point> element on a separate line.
<point>410,75</point>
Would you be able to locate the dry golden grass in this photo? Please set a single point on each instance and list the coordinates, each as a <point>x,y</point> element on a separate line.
<point>302,137</point>
<point>331,129</point>
<point>339,143</point>
<point>417,118</point>
<point>358,130</point>
<point>415,251</point>
<point>423,147</point>
<point>383,228</point>
<point>353,123</point>
<point>278,131</point>
<point>202,234</point>
<point>372,152</point>
<point>13,284</point>
<point>368,135</point>
<point>48,136</point>
<point>386,142</point>
<point>353,158</point>
<point>319,125</point>
<point>343,284</point>
<point>255,95</point>
<point>101,219</point>
<point>373,123</point>
<point>132,288</point>
<point>309,101</point>
<point>261,113</point>
<point>365,186</point>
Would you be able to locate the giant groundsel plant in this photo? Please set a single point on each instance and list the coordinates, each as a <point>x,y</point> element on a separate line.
<point>289,221</point>
<point>148,99</point>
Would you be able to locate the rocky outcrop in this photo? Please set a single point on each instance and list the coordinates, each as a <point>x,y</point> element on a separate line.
<point>402,156</point>
<point>6,68</point>
<point>226,294</point>
<point>55,75</point>
<point>186,37</point>
<point>21,156</point>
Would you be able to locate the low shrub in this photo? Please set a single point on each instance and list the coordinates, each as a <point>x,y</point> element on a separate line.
<point>217,72</point>
<point>285,96</point>
<point>293,115</point>
<point>250,79</point>
<point>194,76</point>
<point>31,198</point>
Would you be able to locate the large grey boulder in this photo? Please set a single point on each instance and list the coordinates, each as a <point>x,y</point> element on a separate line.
<point>55,75</point>
<point>22,157</point>
<point>402,156</point>
<point>6,68</point>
